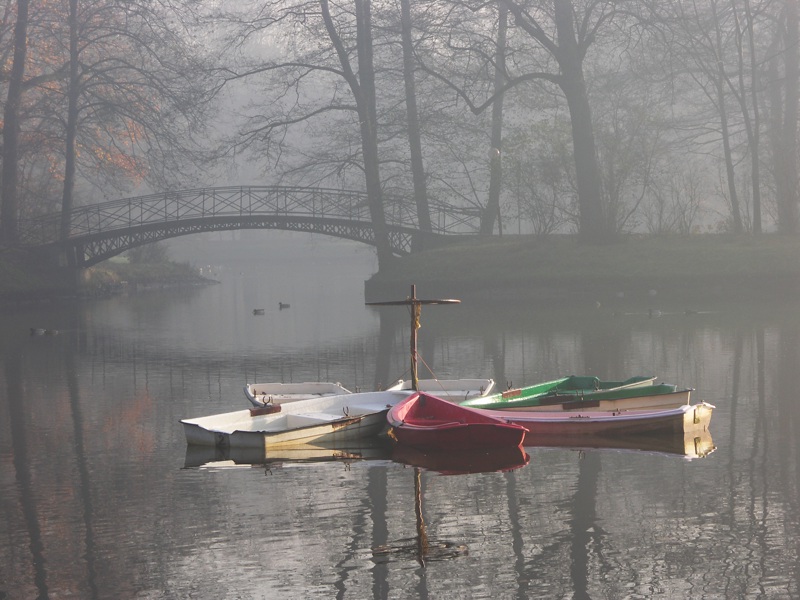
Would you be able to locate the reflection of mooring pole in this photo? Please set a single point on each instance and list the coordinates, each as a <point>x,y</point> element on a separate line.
<point>416,308</point>
<point>422,532</point>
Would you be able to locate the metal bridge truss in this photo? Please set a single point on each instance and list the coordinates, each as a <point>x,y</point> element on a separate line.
<point>101,231</point>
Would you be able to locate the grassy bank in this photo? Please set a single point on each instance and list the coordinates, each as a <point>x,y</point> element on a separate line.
<point>561,268</point>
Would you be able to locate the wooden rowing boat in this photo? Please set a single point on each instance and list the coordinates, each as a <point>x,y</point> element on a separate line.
<point>680,420</point>
<point>648,397</point>
<point>260,394</point>
<point>580,393</point>
<point>326,419</point>
<point>426,421</point>
<point>449,389</point>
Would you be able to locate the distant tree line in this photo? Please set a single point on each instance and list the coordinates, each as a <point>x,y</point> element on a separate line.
<point>585,116</point>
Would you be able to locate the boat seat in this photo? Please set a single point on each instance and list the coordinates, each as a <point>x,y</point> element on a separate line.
<point>365,409</point>
<point>307,419</point>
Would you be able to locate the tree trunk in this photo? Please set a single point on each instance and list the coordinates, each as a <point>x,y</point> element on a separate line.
<point>728,157</point>
<point>590,196</point>
<point>492,210</point>
<point>414,136</point>
<point>369,130</point>
<point>72,122</point>
<point>775,116</point>
<point>783,98</point>
<point>719,83</point>
<point>363,90</point>
<point>754,129</point>
<point>788,216</point>
<point>9,206</point>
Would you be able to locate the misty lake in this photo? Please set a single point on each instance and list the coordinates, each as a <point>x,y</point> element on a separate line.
<point>101,498</point>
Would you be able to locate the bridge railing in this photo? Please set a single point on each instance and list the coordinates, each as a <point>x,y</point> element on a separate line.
<point>286,201</point>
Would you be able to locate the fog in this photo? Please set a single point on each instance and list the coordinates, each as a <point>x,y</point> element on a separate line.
<point>569,117</point>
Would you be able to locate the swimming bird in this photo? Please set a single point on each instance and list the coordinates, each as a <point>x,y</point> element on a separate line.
<point>282,305</point>
<point>40,331</point>
<point>258,311</point>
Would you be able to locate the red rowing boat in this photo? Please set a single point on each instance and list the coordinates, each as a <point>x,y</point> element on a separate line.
<point>425,421</point>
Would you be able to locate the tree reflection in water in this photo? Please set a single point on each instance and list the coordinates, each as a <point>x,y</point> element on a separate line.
<point>96,501</point>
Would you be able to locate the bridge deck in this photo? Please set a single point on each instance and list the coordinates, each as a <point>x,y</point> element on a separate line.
<point>100,231</point>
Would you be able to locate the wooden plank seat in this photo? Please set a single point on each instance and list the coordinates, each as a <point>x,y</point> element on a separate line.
<point>307,419</point>
<point>364,409</point>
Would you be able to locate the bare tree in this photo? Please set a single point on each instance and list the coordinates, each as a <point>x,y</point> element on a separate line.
<point>675,203</point>
<point>566,35</point>
<point>749,91</point>
<point>538,186</point>
<point>9,208</point>
<point>118,82</point>
<point>784,84</point>
<point>136,91</point>
<point>324,68</point>
<point>723,46</point>
<point>496,151</point>
<point>414,134</point>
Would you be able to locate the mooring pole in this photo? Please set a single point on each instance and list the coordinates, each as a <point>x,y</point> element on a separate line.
<point>416,310</point>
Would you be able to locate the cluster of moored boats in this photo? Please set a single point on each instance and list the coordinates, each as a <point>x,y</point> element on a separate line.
<point>457,414</point>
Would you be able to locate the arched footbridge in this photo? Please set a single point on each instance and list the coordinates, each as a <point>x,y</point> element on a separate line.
<point>100,231</point>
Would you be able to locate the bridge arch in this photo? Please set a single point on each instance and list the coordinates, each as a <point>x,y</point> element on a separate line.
<point>101,231</point>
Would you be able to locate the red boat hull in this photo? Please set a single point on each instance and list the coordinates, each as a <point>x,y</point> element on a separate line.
<point>425,421</point>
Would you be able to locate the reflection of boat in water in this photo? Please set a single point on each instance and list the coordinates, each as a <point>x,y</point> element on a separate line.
<point>462,461</point>
<point>210,456</point>
<point>689,446</point>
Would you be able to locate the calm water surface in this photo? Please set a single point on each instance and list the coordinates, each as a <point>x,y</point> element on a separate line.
<point>101,498</point>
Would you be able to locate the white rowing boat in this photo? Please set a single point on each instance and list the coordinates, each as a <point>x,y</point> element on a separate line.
<point>455,390</point>
<point>260,394</point>
<point>326,419</point>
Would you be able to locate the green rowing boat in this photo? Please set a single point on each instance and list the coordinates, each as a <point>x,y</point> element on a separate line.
<point>581,392</point>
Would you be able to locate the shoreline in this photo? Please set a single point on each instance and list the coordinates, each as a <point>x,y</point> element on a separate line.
<point>562,270</point>
<point>23,282</point>
<point>637,270</point>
